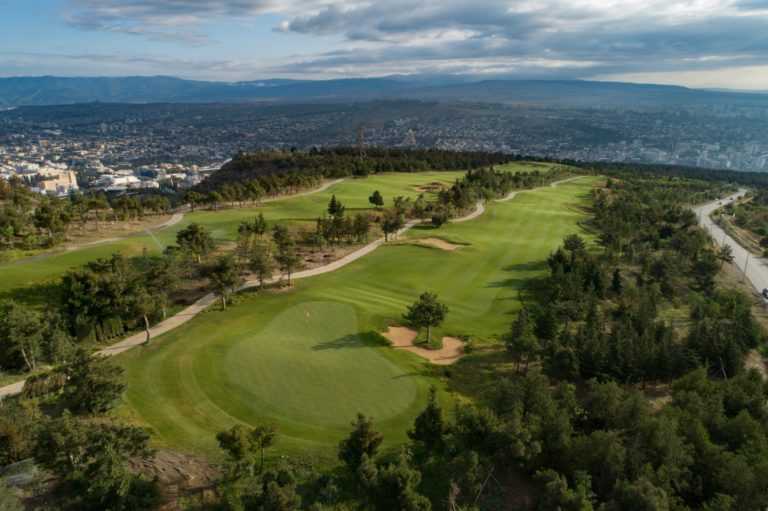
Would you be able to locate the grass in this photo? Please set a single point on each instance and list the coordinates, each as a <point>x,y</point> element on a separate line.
<point>31,280</point>
<point>311,357</point>
<point>527,166</point>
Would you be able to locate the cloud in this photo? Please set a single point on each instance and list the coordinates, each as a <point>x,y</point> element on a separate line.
<point>535,37</point>
<point>164,20</point>
<point>609,34</point>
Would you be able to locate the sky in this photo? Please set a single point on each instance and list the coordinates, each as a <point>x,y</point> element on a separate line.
<point>696,43</point>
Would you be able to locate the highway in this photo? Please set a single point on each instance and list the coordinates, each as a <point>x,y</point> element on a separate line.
<point>756,267</point>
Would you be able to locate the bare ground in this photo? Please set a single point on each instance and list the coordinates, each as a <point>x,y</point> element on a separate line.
<point>402,338</point>
<point>178,474</point>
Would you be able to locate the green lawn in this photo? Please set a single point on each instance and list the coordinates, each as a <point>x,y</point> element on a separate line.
<point>29,279</point>
<point>527,166</point>
<point>310,358</point>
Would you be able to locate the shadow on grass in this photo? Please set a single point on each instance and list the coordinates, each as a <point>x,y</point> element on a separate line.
<point>42,295</point>
<point>348,341</point>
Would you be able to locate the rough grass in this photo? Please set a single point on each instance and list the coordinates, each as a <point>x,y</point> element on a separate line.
<point>309,358</point>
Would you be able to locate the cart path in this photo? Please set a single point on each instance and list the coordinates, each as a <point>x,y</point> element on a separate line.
<point>209,299</point>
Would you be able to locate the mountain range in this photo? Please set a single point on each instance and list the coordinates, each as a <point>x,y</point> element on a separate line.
<point>52,90</point>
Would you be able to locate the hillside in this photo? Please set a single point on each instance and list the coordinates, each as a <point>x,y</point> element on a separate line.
<point>50,90</point>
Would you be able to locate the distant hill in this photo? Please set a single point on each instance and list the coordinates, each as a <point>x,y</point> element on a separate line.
<point>51,90</point>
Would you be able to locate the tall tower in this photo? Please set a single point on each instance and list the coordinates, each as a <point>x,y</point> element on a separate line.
<point>361,142</point>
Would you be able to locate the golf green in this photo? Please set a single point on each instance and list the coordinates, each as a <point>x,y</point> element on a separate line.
<point>309,358</point>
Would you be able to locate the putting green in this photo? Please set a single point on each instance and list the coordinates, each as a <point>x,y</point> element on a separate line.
<point>307,343</point>
<point>309,359</point>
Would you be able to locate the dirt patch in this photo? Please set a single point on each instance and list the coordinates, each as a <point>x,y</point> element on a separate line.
<point>402,338</point>
<point>441,244</point>
<point>177,473</point>
<point>756,361</point>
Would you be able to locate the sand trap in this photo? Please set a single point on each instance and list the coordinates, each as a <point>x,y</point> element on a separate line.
<point>431,187</point>
<point>403,337</point>
<point>437,242</point>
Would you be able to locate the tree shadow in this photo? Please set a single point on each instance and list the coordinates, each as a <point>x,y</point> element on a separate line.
<point>42,295</point>
<point>528,266</point>
<point>411,374</point>
<point>348,341</point>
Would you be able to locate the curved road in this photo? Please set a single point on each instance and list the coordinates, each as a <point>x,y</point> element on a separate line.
<point>209,299</point>
<point>757,269</point>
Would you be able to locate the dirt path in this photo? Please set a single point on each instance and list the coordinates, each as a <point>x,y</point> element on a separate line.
<point>402,338</point>
<point>207,300</point>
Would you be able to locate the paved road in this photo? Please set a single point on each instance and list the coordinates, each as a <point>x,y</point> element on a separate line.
<point>209,299</point>
<point>757,269</point>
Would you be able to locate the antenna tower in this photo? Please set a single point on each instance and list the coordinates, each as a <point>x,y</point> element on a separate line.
<point>361,142</point>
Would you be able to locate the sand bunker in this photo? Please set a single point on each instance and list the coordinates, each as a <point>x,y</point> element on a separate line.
<point>437,242</point>
<point>403,337</point>
<point>431,187</point>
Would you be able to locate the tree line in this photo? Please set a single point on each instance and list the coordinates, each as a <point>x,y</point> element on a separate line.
<point>30,220</point>
<point>339,162</point>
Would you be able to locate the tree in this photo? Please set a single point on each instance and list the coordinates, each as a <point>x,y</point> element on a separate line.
<point>521,340</point>
<point>441,217</point>
<point>94,383</point>
<point>51,217</point>
<point>363,440</point>
<point>704,270</point>
<point>194,198</point>
<point>223,277</point>
<point>335,208</point>
<point>397,486</point>
<point>376,199</point>
<point>259,226</point>
<point>260,262</point>
<point>244,241</point>
<point>725,255</point>
<point>20,336</point>
<point>617,283</point>
<point>265,436</point>
<point>360,226</point>
<point>18,420</point>
<point>279,492</point>
<point>89,460</point>
<point>426,312</point>
<point>391,223</point>
<point>554,493</point>
<point>244,445</point>
<point>195,239</point>
<point>429,427</point>
<point>162,279</point>
<point>287,256</point>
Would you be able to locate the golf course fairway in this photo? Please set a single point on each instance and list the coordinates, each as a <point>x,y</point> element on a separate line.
<point>24,278</point>
<point>310,357</point>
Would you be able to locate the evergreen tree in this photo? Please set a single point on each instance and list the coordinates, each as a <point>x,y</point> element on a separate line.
<point>428,428</point>
<point>223,277</point>
<point>426,312</point>
<point>260,262</point>
<point>376,199</point>
<point>364,440</point>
